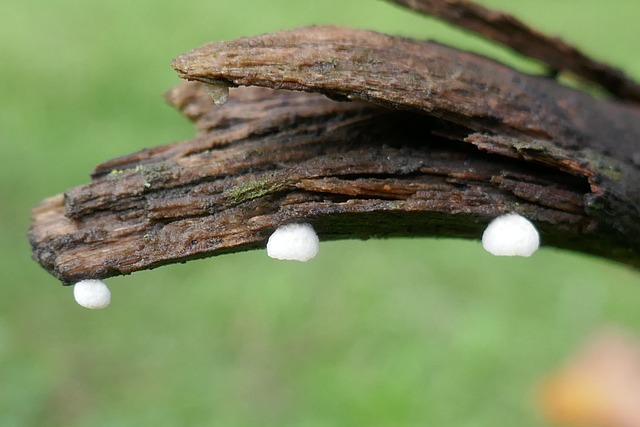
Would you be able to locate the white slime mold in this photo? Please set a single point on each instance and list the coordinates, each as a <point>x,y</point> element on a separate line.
<point>92,294</point>
<point>511,235</point>
<point>297,242</point>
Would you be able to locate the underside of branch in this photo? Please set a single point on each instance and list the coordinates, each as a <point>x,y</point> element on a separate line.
<point>433,142</point>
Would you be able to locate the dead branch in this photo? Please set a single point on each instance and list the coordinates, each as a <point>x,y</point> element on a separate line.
<point>512,32</point>
<point>444,142</point>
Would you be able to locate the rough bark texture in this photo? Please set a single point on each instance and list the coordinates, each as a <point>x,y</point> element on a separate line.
<point>436,142</point>
<point>512,32</point>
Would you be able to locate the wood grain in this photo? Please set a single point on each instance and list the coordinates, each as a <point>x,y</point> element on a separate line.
<point>434,142</point>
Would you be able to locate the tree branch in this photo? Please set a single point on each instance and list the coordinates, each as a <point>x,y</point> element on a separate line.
<point>512,32</point>
<point>445,141</point>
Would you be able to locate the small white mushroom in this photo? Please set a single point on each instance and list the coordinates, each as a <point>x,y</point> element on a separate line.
<point>219,92</point>
<point>92,294</point>
<point>511,235</point>
<point>296,242</point>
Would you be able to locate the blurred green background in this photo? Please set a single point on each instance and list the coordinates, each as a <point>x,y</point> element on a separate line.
<point>406,332</point>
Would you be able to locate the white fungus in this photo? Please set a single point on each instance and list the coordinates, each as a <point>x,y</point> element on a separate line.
<point>92,294</point>
<point>219,92</point>
<point>511,235</point>
<point>297,242</point>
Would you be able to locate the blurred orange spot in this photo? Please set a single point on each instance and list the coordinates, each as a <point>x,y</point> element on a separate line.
<point>599,387</point>
<point>574,399</point>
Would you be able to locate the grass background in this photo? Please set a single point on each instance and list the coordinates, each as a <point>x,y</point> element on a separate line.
<point>378,333</point>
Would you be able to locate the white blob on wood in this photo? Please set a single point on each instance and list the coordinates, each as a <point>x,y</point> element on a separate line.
<point>296,242</point>
<point>511,235</point>
<point>219,92</point>
<point>92,294</point>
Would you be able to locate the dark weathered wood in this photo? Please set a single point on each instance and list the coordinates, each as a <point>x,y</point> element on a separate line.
<point>453,86</point>
<point>497,108</point>
<point>512,32</point>
<point>445,142</point>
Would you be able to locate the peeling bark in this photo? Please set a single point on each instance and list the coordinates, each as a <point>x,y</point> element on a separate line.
<point>435,142</point>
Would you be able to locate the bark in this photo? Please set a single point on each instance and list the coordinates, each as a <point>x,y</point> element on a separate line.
<point>435,142</point>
